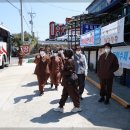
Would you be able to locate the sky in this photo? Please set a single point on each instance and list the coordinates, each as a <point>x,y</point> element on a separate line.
<point>44,13</point>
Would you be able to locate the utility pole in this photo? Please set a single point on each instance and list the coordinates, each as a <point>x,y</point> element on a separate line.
<point>31,21</point>
<point>21,14</point>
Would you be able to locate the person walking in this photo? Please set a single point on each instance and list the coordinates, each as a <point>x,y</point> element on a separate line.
<point>42,69</point>
<point>20,57</point>
<point>70,83</point>
<point>106,66</point>
<point>56,66</point>
<point>81,68</point>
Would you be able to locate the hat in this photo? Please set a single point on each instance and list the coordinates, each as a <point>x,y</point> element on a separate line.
<point>107,44</point>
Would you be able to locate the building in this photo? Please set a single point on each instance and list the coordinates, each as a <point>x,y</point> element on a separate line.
<point>113,17</point>
<point>56,30</point>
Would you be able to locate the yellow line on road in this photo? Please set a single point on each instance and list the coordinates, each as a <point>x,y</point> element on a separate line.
<point>114,96</point>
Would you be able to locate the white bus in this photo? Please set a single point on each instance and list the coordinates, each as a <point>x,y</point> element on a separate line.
<point>5,46</point>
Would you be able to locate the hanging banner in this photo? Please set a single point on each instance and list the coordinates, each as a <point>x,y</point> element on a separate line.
<point>87,39</point>
<point>123,55</point>
<point>97,36</point>
<point>113,33</point>
<point>85,28</point>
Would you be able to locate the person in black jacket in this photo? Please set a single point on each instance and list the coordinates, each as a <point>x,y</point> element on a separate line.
<point>107,65</point>
<point>70,83</point>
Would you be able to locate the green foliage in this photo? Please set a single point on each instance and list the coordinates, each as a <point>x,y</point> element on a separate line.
<point>16,40</point>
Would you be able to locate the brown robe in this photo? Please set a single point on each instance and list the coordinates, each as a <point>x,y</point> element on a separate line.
<point>70,86</point>
<point>56,66</point>
<point>107,65</point>
<point>20,57</point>
<point>42,70</point>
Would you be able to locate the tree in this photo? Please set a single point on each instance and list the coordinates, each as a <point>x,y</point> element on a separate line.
<point>16,40</point>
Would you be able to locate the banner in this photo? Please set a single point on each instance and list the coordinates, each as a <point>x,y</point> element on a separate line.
<point>87,39</point>
<point>25,49</point>
<point>123,55</point>
<point>97,36</point>
<point>85,28</point>
<point>113,33</point>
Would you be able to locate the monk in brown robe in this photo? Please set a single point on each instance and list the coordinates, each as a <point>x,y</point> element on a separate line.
<point>42,69</point>
<point>56,66</point>
<point>20,57</point>
<point>70,83</point>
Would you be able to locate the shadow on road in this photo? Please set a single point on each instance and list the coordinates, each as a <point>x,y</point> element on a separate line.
<point>31,84</point>
<point>56,101</point>
<point>50,116</point>
<point>99,114</point>
<point>27,98</point>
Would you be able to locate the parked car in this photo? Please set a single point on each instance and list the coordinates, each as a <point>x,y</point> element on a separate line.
<point>69,38</point>
<point>48,39</point>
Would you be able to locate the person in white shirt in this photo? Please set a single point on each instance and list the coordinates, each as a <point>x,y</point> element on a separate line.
<point>81,69</point>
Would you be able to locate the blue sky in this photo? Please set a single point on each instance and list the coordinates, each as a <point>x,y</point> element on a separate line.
<point>45,12</point>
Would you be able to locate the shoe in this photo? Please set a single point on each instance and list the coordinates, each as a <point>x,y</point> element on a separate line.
<point>81,98</point>
<point>51,85</point>
<point>56,88</point>
<point>41,93</point>
<point>101,99</point>
<point>59,109</point>
<point>106,101</point>
<point>76,109</point>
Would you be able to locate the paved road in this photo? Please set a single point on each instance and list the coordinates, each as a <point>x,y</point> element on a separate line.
<point>21,107</point>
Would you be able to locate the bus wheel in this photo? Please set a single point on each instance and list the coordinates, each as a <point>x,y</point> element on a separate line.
<point>3,64</point>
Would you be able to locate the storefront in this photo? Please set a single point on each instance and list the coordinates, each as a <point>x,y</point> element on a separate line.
<point>113,33</point>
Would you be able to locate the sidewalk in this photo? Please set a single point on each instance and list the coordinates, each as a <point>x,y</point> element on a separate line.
<point>119,90</point>
<point>21,107</point>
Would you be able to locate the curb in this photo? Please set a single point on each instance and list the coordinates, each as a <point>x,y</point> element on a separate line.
<point>114,96</point>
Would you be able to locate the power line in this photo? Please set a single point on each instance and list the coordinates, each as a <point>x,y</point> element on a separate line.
<point>26,23</point>
<point>63,8</point>
<point>24,16</point>
<point>31,21</point>
<point>19,12</point>
<point>13,5</point>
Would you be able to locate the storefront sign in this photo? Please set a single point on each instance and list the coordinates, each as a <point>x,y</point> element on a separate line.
<point>88,27</point>
<point>113,33</point>
<point>123,55</point>
<point>97,36</point>
<point>87,39</point>
<point>25,49</point>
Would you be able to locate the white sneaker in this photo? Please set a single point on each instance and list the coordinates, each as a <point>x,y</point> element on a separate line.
<point>76,109</point>
<point>59,109</point>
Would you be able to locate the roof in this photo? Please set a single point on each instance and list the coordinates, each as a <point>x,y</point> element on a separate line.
<point>91,4</point>
<point>3,27</point>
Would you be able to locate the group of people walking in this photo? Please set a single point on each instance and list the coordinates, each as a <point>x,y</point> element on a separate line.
<point>69,67</point>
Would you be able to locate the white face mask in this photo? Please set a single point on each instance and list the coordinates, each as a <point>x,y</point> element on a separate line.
<point>60,52</point>
<point>78,52</point>
<point>42,53</point>
<point>55,54</point>
<point>107,50</point>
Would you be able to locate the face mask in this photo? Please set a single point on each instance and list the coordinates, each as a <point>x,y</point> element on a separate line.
<point>107,50</point>
<point>78,52</point>
<point>42,53</point>
<point>55,54</point>
<point>61,52</point>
